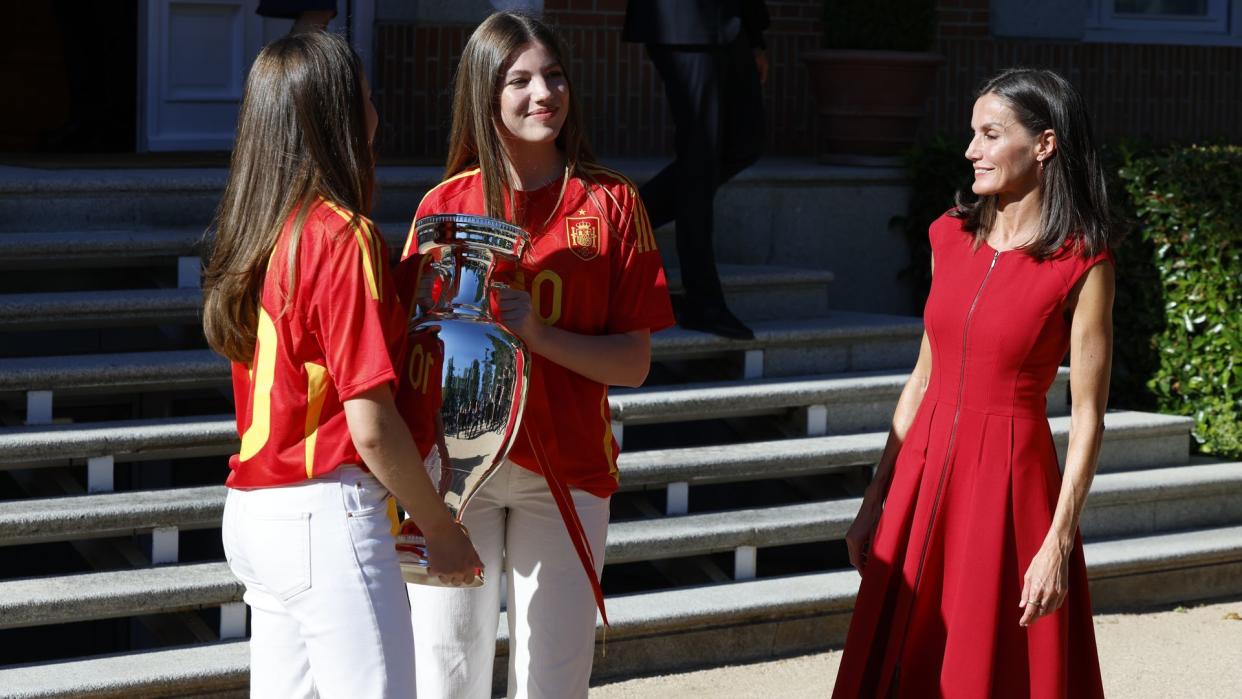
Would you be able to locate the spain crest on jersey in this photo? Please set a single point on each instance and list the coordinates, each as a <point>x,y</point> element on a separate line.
<point>583,236</point>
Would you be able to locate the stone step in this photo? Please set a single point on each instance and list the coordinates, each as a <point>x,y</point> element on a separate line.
<point>1201,494</point>
<point>38,520</point>
<point>780,211</point>
<point>124,440</point>
<point>837,404</point>
<point>763,292</point>
<point>767,292</point>
<point>85,309</point>
<point>1119,505</point>
<point>724,622</point>
<point>187,671</point>
<point>69,249</point>
<point>777,293</point>
<point>1131,440</point>
<point>173,370</point>
<point>841,341</point>
<point>161,589</point>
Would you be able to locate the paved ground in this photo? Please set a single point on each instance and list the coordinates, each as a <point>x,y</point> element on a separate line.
<point>1194,652</point>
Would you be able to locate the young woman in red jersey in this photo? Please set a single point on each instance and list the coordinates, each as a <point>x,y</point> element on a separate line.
<point>585,299</point>
<point>298,295</point>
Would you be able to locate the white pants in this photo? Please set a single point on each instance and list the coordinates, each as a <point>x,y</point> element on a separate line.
<point>515,527</point>
<point>330,617</point>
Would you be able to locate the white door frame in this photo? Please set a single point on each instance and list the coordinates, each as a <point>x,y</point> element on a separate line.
<point>249,33</point>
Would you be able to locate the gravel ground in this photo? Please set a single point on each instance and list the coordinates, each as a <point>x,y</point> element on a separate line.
<point>1192,652</point>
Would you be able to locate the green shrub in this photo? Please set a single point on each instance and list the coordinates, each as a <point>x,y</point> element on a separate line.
<point>1187,203</point>
<point>890,25</point>
<point>937,168</point>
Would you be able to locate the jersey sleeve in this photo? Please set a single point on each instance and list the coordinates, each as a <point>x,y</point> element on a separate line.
<point>638,298</point>
<point>349,309</point>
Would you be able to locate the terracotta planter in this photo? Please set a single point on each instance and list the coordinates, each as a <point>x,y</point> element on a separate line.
<point>870,102</point>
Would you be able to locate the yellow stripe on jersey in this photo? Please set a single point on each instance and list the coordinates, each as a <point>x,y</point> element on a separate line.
<point>316,391</point>
<point>377,250</point>
<point>609,453</point>
<point>393,520</point>
<point>262,375</point>
<point>410,238</point>
<point>644,237</point>
<point>365,244</point>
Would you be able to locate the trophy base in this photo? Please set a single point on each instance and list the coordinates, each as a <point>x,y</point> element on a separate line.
<point>415,568</point>
<point>420,574</point>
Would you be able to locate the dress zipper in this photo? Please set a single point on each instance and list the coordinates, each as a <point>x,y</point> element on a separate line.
<point>944,471</point>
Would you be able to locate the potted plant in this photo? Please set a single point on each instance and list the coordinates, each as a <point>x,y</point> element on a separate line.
<point>872,79</point>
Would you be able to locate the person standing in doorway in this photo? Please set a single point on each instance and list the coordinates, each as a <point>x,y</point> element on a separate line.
<point>712,59</point>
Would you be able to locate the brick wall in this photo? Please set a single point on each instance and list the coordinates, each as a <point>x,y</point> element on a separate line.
<point>1165,93</point>
<point>1162,92</point>
<point>621,95</point>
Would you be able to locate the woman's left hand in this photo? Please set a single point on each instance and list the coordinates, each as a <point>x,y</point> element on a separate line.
<point>517,315</point>
<point>1046,583</point>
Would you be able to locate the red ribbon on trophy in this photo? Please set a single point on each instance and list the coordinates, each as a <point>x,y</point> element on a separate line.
<point>569,514</point>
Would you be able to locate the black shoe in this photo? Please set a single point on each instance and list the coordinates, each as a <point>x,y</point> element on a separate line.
<point>715,319</point>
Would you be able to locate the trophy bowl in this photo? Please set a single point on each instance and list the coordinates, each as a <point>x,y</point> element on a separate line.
<point>465,375</point>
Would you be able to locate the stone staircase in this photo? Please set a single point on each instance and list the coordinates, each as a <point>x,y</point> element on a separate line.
<point>741,469</point>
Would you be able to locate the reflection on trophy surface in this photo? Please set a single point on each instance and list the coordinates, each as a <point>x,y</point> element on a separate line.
<point>465,374</point>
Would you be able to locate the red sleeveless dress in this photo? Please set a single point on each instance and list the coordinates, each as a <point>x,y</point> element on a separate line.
<point>972,498</point>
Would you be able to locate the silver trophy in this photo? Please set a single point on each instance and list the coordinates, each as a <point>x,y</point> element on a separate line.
<point>465,373</point>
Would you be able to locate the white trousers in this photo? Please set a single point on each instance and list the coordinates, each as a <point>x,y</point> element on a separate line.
<point>329,613</point>
<point>515,527</point>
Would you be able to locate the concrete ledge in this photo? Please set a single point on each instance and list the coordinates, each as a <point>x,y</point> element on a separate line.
<point>69,247</point>
<point>689,535</point>
<point>1131,440</point>
<point>839,327</point>
<point>854,402</point>
<point>171,370</point>
<point>803,612</point>
<point>750,461</point>
<point>57,310</point>
<point>1145,502</point>
<point>35,520</point>
<point>64,249</point>
<point>840,342</point>
<point>69,598</point>
<point>1166,568</point>
<point>129,440</point>
<point>187,671</point>
<point>767,292</point>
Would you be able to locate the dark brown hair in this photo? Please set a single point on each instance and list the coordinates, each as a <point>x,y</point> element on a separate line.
<point>475,140</point>
<point>301,134</point>
<point>1074,195</point>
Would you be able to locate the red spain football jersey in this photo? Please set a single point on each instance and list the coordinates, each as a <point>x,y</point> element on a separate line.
<point>339,336</point>
<point>593,269</point>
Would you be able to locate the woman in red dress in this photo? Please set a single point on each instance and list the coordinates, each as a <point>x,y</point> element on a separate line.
<point>974,583</point>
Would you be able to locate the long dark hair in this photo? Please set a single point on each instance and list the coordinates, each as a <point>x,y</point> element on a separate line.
<point>1073,189</point>
<point>474,140</point>
<point>301,134</point>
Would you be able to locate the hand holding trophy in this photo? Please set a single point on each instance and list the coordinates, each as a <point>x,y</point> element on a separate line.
<point>465,373</point>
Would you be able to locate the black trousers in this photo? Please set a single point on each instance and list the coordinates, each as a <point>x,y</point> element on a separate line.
<point>717,106</point>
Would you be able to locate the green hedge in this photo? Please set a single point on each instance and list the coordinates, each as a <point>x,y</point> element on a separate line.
<point>1182,335</point>
<point>1178,315</point>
